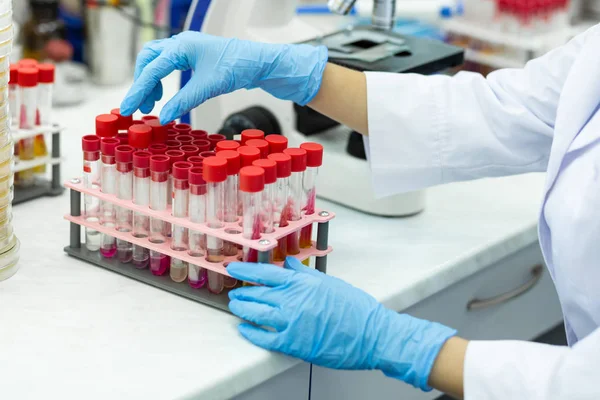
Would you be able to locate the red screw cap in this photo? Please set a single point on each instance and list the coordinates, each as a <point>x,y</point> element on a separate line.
<point>28,76</point>
<point>314,154</point>
<point>233,161</point>
<point>190,150</point>
<point>277,143</point>
<point>181,170</point>
<point>226,145</point>
<point>140,136</point>
<point>206,154</point>
<point>248,155</point>
<point>250,134</point>
<point>107,125</point>
<point>14,74</point>
<point>261,145</point>
<point>159,163</point>
<point>159,132</point>
<point>197,161</point>
<point>108,146</point>
<point>124,154</point>
<point>214,139</point>
<point>298,159</point>
<point>252,179</point>
<point>46,73</point>
<point>185,139</point>
<point>124,122</point>
<point>215,169</point>
<point>198,134</point>
<point>90,143</point>
<point>270,168</point>
<point>148,118</point>
<point>173,144</point>
<point>195,177</point>
<point>202,144</point>
<point>141,159</point>
<point>175,155</point>
<point>284,164</point>
<point>183,128</point>
<point>157,148</point>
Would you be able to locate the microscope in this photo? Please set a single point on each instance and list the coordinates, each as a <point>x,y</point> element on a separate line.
<point>345,176</point>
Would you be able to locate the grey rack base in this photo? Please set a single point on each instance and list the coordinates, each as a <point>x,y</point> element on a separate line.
<point>40,189</point>
<point>203,296</point>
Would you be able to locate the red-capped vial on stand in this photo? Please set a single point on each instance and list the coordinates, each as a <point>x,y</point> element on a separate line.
<point>314,159</point>
<point>107,125</point>
<point>185,139</point>
<point>269,194</point>
<point>174,156</point>
<point>45,86</point>
<point>179,235</point>
<point>108,146</point>
<point>252,184</point>
<point>148,118</point>
<point>226,145</point>
<point>277,143</point>
<point>141,197</point>
<point>261,145</point>
<point>157,148</point>
<point>28,81</point>
<point>231,203</point>
<point>124,122</point>
<point>197,214</point>
<point>207,154</point>
<point>248,155</point>
<point>91,177</point>
<point>281,207</point>
<point>123,138</point>
<point>190,150</point>
<point>160,132</point>
<point>250,134</point>
<point>182,129</point>
<point>173,144</point>
<point>140,136</point>
<point>214,139</point>
<point>196,161</point>
<point>296,195</point>
<point>124,159</point>
<point>198,134</point>
<point>159,174</point>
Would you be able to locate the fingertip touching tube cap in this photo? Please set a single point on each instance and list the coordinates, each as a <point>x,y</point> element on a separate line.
<point>108,146</point>
<point>141,159</point>
<point>124,122</point>
<point>159,132</point>
<point>140,136</point>
<point>226,145</point>
<point>261,145</point>
<point>160,163</point>
<point>202,144</point>
<point>199,134</point>
<point>157,148</point>
<point>233,161</point>
<point>124,154</point>
<point>90,143</point>
<point>252,179</point>
<point>190,150</point>
<point>248,155</point>
<point>175,155</point>
<point>181,170</point>
<point>214,139</point>
<point>46,73</point>
<point>277,143</point>
<point>314,154</point>
<point>298,159</point>
<point>28,76</point>
<point>250,134</point>
<point>107,125</point>
<point>195,176</point>
<point>270,168</point>
<point>284,164</point>
<point>197,161</point>
<point>215,169</point>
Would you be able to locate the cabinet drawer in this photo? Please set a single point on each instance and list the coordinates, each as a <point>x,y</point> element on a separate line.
<point>523,317</point>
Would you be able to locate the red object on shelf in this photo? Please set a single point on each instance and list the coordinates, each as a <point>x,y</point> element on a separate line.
<point>124,122</point>
<point>248,155</point>
<point>124,154</point>
<point>28,76</point>
<point>140,136</point>
<point>261,145</point>
<point>277,143</point>
<point>314,154</point>
<point>107,125</point>
<point>298,159</point>
<point>226,145</point>
<point>252,179</point>
<point>270,168</point>
<point>250,134</point>
<point>159,132</point>
<point>215,169</point>
<point>46,73</point>
<point>233,161</point>
<point>284,164</point>
<point>90,143</point>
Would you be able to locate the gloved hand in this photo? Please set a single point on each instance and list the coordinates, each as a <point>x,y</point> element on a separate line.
<point>325,321</point>
<point>221,65</point>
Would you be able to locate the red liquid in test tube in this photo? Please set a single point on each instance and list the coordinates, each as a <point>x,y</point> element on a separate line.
<point>197,214</point>
<point>179,236</point>
<point>108,246</point>
<point>141,196</point>
<point>281,209</point>
<point>296,196</point>
<point>159,173</point>
<point>124,158</point>
<point>314,159</point>
<point>91,177</point>
<point>252,185</point>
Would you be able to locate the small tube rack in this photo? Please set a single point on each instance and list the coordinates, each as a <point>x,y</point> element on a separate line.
<point>41,187</point>
<point>268,241</point>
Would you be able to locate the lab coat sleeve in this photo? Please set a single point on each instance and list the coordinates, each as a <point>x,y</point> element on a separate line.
<point>429,130</point>
<point>520,370</point>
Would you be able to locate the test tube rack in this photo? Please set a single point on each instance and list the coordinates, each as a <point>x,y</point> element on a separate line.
<point>42,187</point>
<point>268,241</point>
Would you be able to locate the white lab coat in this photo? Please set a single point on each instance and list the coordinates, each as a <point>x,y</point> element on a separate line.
<point>432,130</point>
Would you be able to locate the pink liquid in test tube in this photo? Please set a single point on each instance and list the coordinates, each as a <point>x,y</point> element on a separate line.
<point>281,208</point>
<point>179,237</point>
<point>91,177</point>
<point>296,195</point>
<point>269,194</point>
<point>159,173</point>
<point>108,246</point>
<point>141,196</point>
<point>197,214</point>
<point>124,158</point>
<point>252,185</point>
<point>314,159</point>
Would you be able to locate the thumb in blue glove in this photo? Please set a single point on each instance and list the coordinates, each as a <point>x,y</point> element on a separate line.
<point>222,65</point>
<point>323,320</point>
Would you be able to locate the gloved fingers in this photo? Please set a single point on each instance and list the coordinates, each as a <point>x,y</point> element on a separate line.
<point>296,265</point>
<point>189,97</point>
<point>150,51</point>
<point>260,337</point>
<point>259,314</point>
<point>263,274</point>
<point>257,294</point>
<point>148,105</point>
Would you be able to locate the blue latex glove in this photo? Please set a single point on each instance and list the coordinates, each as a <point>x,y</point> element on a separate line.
<point>325,321</point>
<point>220,65</point>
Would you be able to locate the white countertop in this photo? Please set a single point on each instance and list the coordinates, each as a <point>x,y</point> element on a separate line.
<point>70,330</point>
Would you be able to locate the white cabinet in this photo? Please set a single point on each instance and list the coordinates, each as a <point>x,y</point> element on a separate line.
<point>523,317</point>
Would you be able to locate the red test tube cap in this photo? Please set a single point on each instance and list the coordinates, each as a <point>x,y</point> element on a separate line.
<point>284,164</point>
<point>107,125</point>
<point>148,118</point>
<point>141,159</point>
<point>123,138</point>
<point>198,134</point>
<point>277,143</point>
<point>157,148</point>
<point>298,159</point>
<point>226,145</point>
<point>90,143</point>
<point>185,139</point>
<point>252,179</point>
<point>14,74</point>
<point>233,161</point>
<point>189,150</point>
<point>28,62</point>
<point>181,170</point>
<point>28,76</point>
<point>173,144</point>
<point>160,163</point>
<point>160,132</point>
<point>270,168</point>
<point>108,146</point>
<point>124,154</point>
<point>175,155</point>
<point>140,136</point>
<point>248,155</point>
<point>314,154</point>
<point>183,128</point>
<point>261,145</point>
<point>46,73</point>
<point>215,169</point>
<point>202,144</point>
<point>207,154</point>
<point>214,139</point>
<point>250,134</point>
<point>196,161</point>
<point>196,176</point>
<point>124,122</point>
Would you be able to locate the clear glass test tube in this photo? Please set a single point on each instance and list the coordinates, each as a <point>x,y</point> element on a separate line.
<point>296,196</point>
<point>281,206</point>
<point>108,246</point>
<point>91,177</point>
<point>179,237</point>
<point>28,82</point>
<point>141,197</point>
<point>159,173</point>
<point>314,159</point>
<point>124,158</point>
<point>215,175</point>
<point>248,155</point>
<point>197,214</point>
<point>231,203</point>
<point>269,194</point>
<point>44,111</point>
<point>252,185</point>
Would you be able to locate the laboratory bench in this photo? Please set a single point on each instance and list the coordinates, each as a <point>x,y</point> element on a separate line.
<point>71,330</point>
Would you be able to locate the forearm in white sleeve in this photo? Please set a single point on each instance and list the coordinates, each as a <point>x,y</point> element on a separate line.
<point>428,130</point>
<point>500,370</point>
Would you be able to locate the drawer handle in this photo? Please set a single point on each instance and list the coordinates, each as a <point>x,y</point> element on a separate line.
<point>478,304</point>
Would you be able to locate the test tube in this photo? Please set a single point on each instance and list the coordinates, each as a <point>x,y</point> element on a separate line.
<point>174,156</point>
<point>227,145</point>
<point>280,211</point>
<point>197,214</point>
<point>314,159</point>
<point>108,247</point>
<point>252,184</point>
<point>231,204</point>
<point>261,145</point>
<point>269,194</point>
<point>249,134</point>
<point>198,134</point>
<point>91,177</point>
<point>189,150</point>
<point>140,136</point>
<point>141,197</point>
<point>159,132</point>
<point>179,241</point>
<point>248,155</point>
<point>296,196</point>
<point>215,175</point>
<point>277,143</point>
<point>28,81</point>
<point>202,144</point>
<point>159,173</point>
<point>124,158</point>
<point>46,83</point>
<point>13,96</point>
<point>107,125</point>
<point>214,139</point>
<point>124,122</point>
